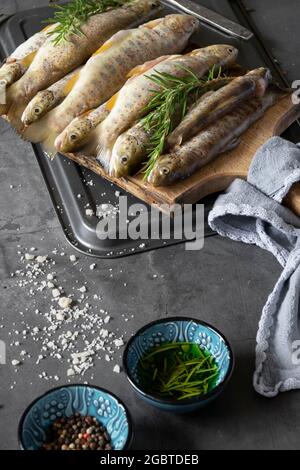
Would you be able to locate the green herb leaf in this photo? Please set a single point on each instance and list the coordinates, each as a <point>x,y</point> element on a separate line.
<point>178,371</point>
<point>171,101</point>
<point>73,15</point>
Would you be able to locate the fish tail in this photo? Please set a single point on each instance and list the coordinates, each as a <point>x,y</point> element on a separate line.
<point>39,131</point>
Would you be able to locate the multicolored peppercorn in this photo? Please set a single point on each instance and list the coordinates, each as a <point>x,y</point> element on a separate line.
<point>77,433</point>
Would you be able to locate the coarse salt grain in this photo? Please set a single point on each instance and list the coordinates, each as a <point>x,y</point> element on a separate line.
<point>65,302</point>
<point>117,369</point>
<point>119,342</point>
<point>41,259</point>
<point>15,362</point>
<point>56,293</point>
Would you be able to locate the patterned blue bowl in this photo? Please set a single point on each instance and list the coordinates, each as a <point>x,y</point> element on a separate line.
<point>179,329</point>
<point>71,399</point>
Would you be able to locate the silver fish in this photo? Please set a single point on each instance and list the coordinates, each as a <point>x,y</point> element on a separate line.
<point>137,92</point>
<point>48,99</point>
<point>213,107</point>
<point>19,61</point>
<point>130,151</point>
<point>54,61</point>
<point>212,141</point>
<point>105,72</point>
<point>131,147</point>
<point>82,127</point>
<point>77,132</point>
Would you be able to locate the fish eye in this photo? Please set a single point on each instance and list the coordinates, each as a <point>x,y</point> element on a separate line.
<point>124,159</point>
<point>164,171</point>
<point>37,110</point>
<point>73,137</point>
<point>230,49</point>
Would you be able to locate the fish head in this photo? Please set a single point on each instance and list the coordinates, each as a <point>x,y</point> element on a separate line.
<point>125,153</point>
<point>263,77</point>
<point>162,173</point>
<point>38,107</point>
<point>181,23</point>
<point>151,4</point>
<point>74,135</point>
<point>227,53</point>
<point>9,73</point>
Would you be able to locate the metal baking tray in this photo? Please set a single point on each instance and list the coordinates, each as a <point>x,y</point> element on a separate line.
<point>69,185</point>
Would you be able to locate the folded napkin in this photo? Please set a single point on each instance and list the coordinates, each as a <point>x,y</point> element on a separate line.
<point>251,212</point>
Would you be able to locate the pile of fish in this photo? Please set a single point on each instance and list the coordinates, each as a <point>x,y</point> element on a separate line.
<point>89,93</point>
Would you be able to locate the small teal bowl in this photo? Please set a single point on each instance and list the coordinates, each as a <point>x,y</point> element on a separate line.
<point>68,400</point>
<point>179,329</point>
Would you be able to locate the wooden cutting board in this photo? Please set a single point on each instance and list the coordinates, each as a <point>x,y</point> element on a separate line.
<point>217,175</point>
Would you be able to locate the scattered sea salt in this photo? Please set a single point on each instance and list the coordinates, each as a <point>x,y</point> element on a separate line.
<point>56,293</point>
<point>65,302</point>
<point>15,362</point>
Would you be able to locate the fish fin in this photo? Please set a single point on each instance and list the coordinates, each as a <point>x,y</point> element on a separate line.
<point>28,59</point>
<point>49,145</point>
<point>104,157</point>
<point>112,171</point>
<point>14,116</point>
<point>140,69</point>
<point>71,83</point>
<point>40,130</point>
<point>110,104</point>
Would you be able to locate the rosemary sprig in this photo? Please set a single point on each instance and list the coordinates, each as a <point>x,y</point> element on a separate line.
<point>169,105</point>
<point>73,15</point>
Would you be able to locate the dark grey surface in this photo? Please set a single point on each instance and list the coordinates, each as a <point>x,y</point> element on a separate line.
<point>225,284</point>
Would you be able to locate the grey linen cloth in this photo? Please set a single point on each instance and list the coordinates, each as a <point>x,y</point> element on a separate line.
<point>251,212</point>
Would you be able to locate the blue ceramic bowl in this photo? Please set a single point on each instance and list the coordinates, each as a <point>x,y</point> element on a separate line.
<point>71,399</point>
<point>179,329</point>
